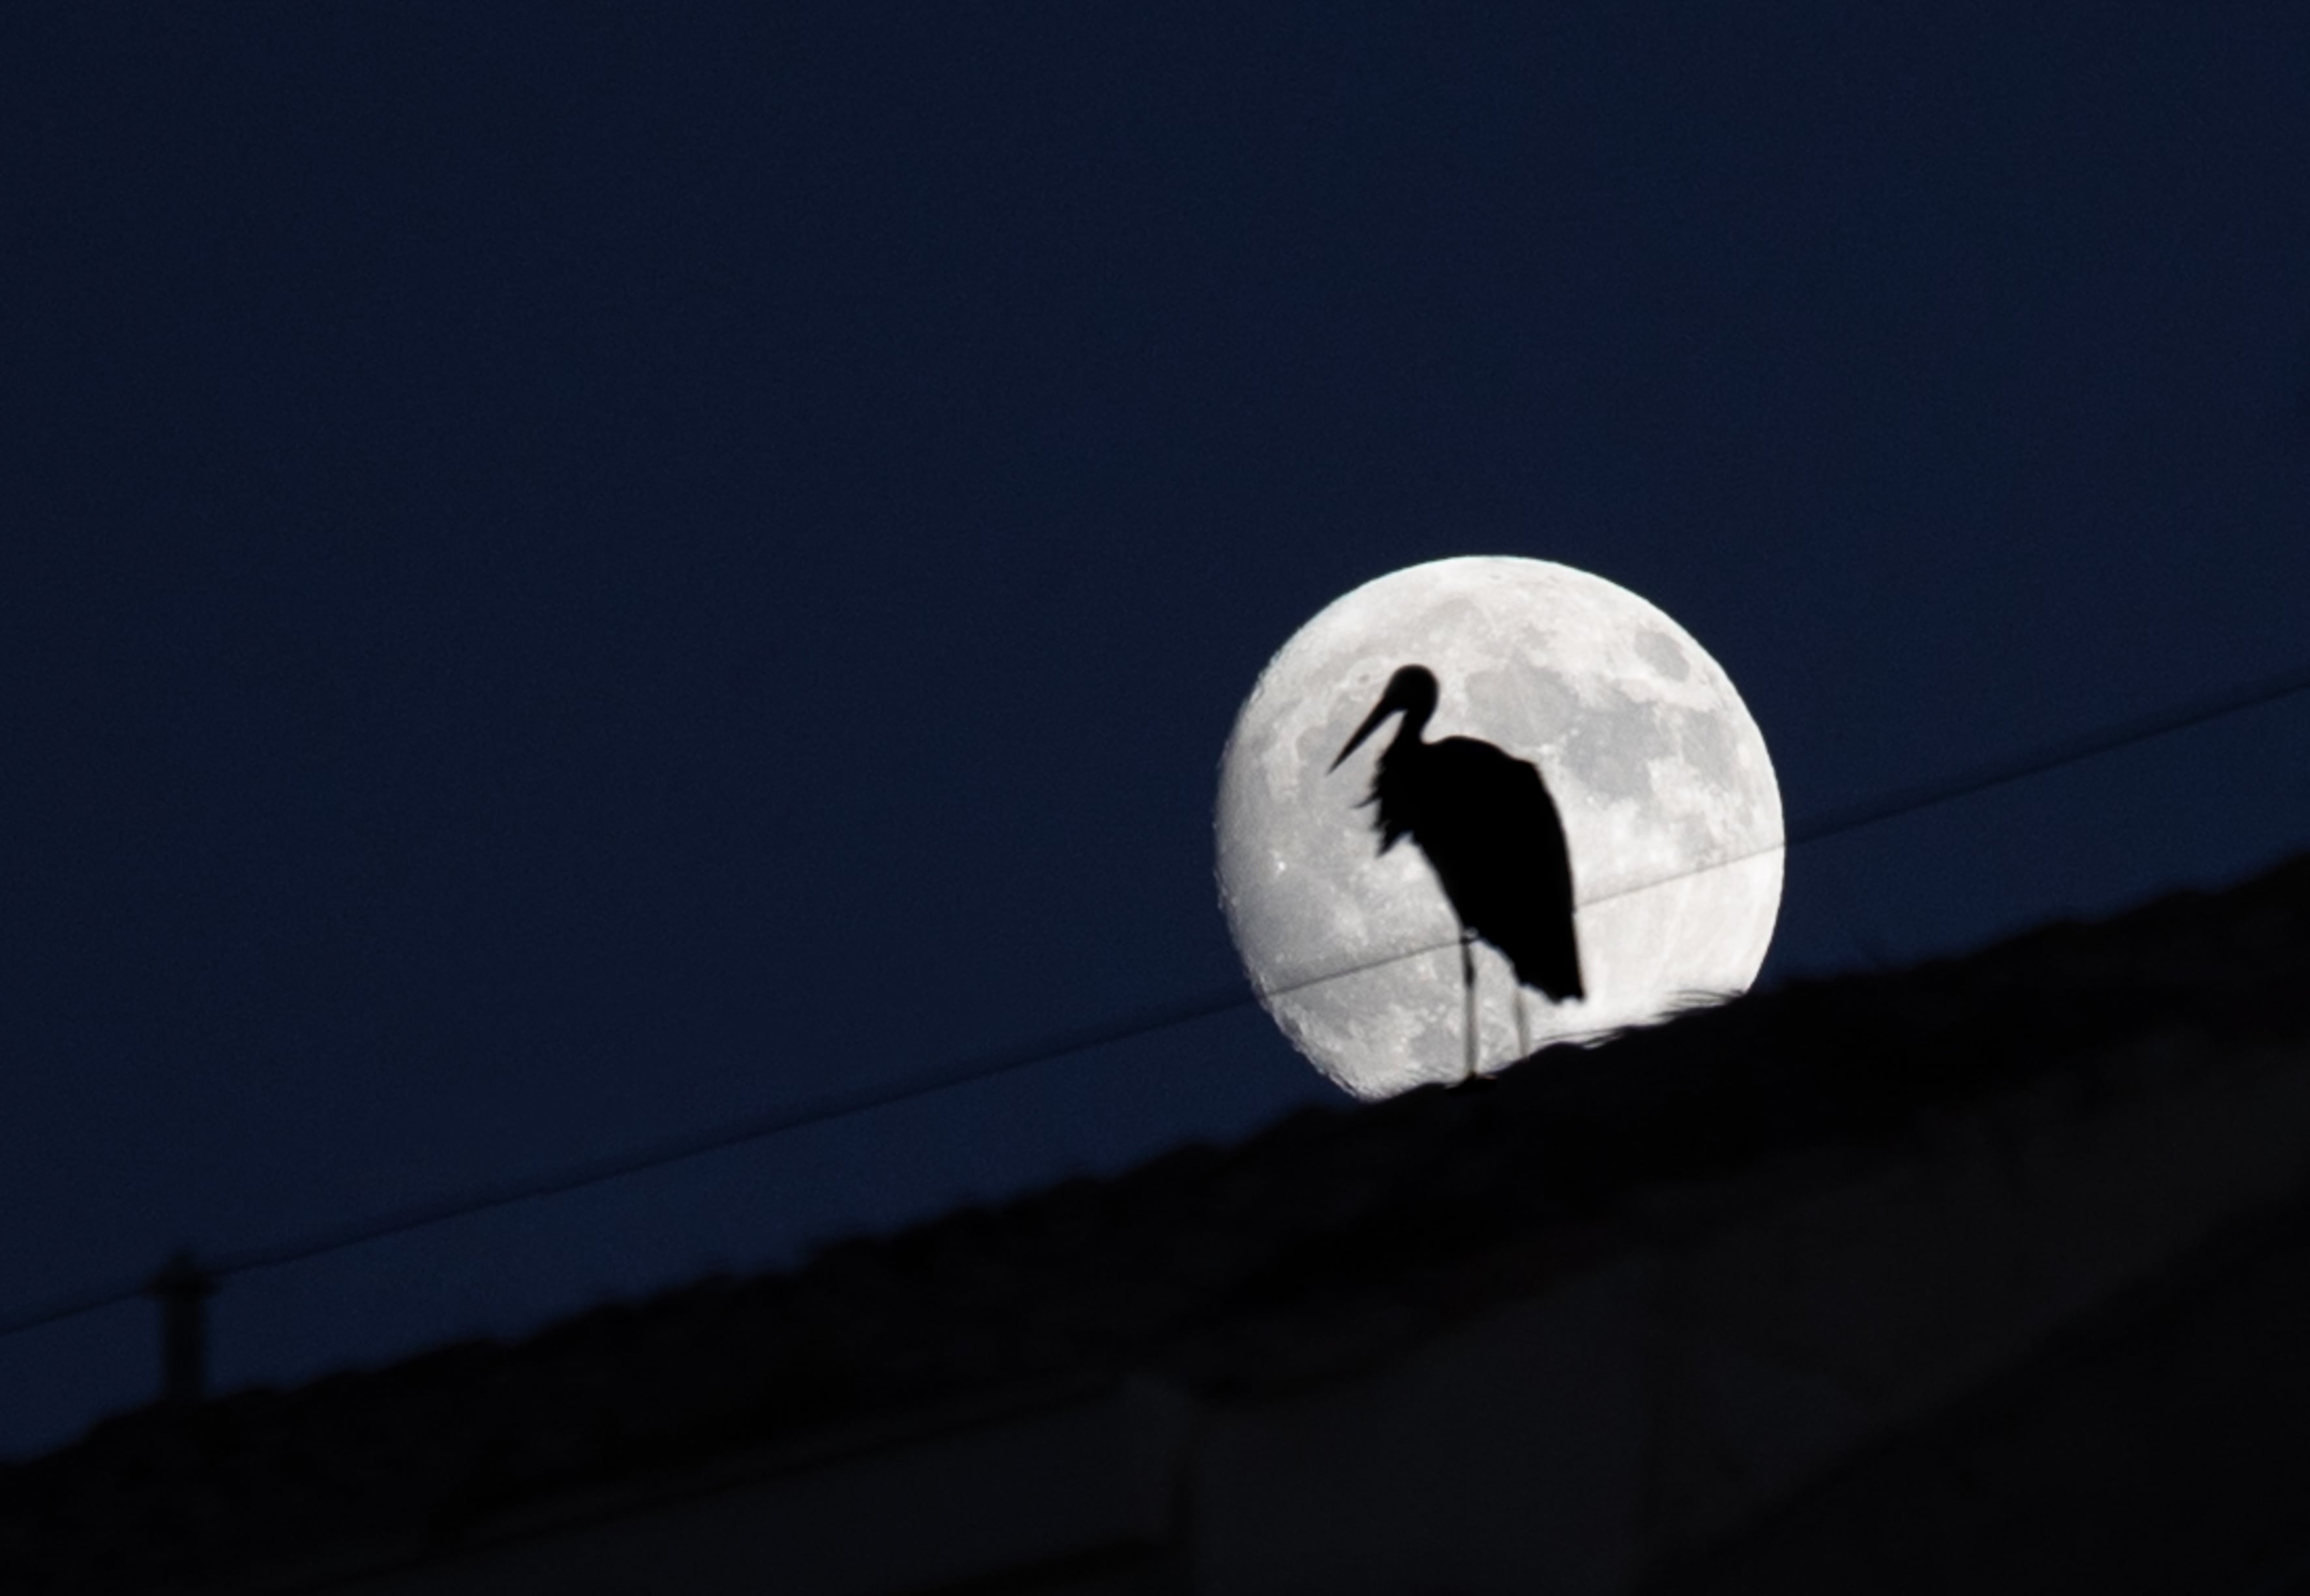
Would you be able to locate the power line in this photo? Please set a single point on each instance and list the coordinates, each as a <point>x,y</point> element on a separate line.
<point>985,1066</point>
<point>815,1111</point>
<point>1982,778</point>
<point>794,1117</point>
<point>811,1111</point>
<point>1902,801</point>
<point>70,1307</point>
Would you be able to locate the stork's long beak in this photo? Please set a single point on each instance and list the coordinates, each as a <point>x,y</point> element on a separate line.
<point>1380,712</point>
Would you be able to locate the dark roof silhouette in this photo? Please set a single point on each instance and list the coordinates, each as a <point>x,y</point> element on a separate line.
<point>2157,1446</point>
<point>1330,1240</point>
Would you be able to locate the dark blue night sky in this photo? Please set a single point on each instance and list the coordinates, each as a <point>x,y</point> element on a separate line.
<point>575,573</point>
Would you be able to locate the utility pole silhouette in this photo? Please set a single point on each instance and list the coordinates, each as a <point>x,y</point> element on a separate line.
<point>183,1287</point>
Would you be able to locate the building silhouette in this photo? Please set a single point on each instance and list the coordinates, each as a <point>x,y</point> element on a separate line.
<point>1987,1275</point>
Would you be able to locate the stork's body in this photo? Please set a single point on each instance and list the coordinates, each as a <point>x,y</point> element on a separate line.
<point>1489,829</point>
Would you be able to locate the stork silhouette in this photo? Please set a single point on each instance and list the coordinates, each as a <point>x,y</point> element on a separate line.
<point>1491,832</point>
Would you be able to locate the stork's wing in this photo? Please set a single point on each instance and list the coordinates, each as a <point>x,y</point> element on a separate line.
<point>1502,858</point>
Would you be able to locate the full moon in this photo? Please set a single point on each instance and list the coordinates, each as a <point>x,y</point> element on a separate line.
<point>1670,814</point>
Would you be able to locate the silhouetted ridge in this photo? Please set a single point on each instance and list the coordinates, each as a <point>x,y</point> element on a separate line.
<point>1321,1244</point>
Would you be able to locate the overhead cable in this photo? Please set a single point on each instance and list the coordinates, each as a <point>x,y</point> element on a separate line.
<point>985,1066</point>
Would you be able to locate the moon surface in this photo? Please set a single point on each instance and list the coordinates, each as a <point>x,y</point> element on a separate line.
<point>1669,803</point>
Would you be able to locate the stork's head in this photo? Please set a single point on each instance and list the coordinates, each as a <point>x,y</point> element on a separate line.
<point>1411,693</point>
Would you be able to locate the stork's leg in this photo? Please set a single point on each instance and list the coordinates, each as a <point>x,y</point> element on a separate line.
<point>1523,1032</point>
<point>1468,986</point>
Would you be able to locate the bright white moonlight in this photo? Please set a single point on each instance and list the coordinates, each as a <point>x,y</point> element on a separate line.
<point>1669,803</point>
